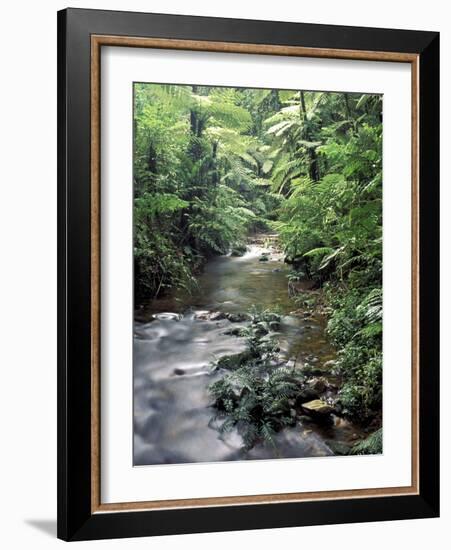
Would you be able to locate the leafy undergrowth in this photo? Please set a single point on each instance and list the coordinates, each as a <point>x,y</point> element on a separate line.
<point>260,395</point>
<point>355,327</point>
<point>258,392</point>
<point>372,445</point>
<point>259,405</point>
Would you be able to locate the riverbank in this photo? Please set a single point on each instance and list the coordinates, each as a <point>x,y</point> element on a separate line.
<point>181,338</point>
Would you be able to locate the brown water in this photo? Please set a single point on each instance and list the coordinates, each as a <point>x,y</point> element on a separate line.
<point>173,352</point>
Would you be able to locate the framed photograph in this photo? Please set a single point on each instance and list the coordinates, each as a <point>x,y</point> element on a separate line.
<point>248,274</point>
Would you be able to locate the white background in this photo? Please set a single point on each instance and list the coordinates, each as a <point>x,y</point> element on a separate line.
<point>120,482</point>
<point>28,276</point>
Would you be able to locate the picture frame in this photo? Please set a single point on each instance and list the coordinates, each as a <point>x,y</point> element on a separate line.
<point>81,36</point>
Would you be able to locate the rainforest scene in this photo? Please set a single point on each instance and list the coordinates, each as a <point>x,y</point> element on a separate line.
<point>257,274</point>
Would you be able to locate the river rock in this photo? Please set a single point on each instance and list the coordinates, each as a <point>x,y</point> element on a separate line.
<point>317,408</point>
<point>235,331</point>
<point>237,317</point>
<point>167,316</point>
<point>264,258</point>
<point>319,384</point>
<point>306,395</point>
<point>216,316</point>
<point>209,315</point>
<point>202,315</point>
<point>238,250</point>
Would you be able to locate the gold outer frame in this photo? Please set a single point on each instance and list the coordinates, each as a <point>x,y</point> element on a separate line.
<point>97,41</point>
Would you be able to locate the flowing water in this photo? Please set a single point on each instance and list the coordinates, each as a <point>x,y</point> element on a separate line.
<point>175,344</point>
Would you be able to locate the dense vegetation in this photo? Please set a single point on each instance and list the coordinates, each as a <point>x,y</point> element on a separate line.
<point>214,164</point>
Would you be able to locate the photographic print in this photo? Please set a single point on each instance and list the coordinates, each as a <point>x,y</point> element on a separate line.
<point>257,274</point>
<point>248,268</point>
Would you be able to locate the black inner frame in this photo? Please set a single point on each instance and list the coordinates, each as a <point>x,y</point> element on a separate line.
<point>75,520</point>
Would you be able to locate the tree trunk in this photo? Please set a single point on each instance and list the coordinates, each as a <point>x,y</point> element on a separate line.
<point>311,151</point>
<point>349,116</point>
<point>196,125</point>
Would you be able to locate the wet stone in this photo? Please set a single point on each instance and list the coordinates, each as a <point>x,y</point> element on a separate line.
<point>317,407</point>
<point>201,315</point>
<point>166,316</point>
<point>237,317</point>
<point>306,395</point>
<point>217,316</point>
<point>319,385</point>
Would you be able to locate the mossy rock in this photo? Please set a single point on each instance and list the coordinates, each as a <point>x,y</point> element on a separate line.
<point>237,317</point>
<point>306,395</point>
<point>317,408</point>
<point>217,316</point>
<point>232,362</point>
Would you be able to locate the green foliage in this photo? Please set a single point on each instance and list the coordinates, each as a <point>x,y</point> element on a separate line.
<point>213,164</point>
<point>218,224</point>
<point>329,168</point>
<point>356,329</point>
<point>335,220</point>
<point>157,204</point>
<point>372,445</point>
<point>261,348</point>
<point>198,181</point>
<point>258,405</point>
<point>254,395</point>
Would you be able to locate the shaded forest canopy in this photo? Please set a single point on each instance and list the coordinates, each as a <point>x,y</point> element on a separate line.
<point>212,165</point>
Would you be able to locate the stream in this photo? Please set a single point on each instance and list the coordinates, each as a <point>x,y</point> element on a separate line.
<point>175,344</point>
